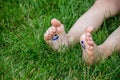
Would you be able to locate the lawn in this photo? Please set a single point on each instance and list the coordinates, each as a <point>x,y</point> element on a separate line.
<point>24,55</point>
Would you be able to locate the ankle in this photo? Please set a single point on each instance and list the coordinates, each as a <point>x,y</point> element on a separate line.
<point>105,51</point>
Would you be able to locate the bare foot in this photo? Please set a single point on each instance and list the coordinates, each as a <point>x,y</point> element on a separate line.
<point>56,36</point>
<point>90,50</point>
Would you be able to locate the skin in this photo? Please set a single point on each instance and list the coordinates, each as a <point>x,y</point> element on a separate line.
<point>56,28</point>
<point>82,29</point>
<point>93,53</point>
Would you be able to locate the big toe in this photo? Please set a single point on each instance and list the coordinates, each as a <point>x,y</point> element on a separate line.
<point>89,29</point>
<point>55,23</point>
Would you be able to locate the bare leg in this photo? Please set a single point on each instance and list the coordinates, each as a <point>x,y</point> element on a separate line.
<point>94,16</point>
<point>93,53</point>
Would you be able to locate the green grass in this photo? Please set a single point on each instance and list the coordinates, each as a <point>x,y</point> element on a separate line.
<point>25,56</point>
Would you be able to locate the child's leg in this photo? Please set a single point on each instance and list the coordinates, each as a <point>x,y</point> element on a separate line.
<point>93,53</point>
<point>94,17</point>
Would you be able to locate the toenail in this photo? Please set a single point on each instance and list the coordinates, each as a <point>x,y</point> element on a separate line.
<point>88,34</point>
<point>54,30</point>
<point>88,47</point>
<point>55,37</point>
<point>82,44</point>
<point>91,41</point>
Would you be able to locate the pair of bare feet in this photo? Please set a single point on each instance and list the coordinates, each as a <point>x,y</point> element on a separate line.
<point>56,37</point>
